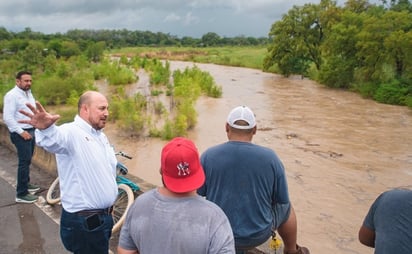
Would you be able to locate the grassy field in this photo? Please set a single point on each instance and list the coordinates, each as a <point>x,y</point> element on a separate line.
<point>250,57</point>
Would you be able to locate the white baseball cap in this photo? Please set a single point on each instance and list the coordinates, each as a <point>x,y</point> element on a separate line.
<point>241,113</point>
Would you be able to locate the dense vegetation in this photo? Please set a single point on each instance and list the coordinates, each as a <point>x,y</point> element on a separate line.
<point>363,47</point>
<point>166,111</point>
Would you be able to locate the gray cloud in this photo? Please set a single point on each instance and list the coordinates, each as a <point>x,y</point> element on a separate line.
<point>176,17</point>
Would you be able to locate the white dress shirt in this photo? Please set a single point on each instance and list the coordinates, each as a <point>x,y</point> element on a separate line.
<point>86,164</point>
<point>16,100</point>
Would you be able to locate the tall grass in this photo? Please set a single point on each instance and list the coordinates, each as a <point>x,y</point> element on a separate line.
<point>250,57</point>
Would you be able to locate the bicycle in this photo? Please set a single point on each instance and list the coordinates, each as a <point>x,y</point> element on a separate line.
<point>124,198</point>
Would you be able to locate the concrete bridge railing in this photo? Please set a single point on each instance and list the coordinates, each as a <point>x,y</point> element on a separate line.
<point>41,158</point>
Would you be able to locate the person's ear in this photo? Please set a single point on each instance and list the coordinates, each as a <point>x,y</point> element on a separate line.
<point>227,127</point>
<point>254,130</point>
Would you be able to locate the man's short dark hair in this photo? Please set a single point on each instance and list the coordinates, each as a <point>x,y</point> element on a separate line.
<point>21,73</point>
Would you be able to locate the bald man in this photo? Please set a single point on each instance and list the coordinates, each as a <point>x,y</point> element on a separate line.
<point>86,165</point>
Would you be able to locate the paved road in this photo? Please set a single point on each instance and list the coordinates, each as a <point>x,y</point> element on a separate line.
<point>24,228</point>
<point>28,228</point>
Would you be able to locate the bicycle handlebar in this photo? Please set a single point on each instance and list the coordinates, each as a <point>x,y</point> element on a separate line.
<point>124,155</point>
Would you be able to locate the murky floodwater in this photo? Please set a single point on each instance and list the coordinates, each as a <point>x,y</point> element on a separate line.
<point>340,151</point>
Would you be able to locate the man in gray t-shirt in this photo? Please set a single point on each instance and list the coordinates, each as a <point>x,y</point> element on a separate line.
<point>388,224</point>
<point>173,218</point>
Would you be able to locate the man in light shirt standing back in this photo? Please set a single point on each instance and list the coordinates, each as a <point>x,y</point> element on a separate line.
<point>21,134</point>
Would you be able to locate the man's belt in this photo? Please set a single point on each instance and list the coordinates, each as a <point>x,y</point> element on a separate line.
<point>105,211</point>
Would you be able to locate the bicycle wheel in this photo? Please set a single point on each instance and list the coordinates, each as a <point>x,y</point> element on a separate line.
<point>123,201</point>
<point>53,194</point>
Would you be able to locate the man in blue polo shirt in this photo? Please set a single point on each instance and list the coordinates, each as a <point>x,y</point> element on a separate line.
<point>248,182</point>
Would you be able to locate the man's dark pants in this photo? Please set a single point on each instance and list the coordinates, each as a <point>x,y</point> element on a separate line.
<point>78,238</point>
<point>25,150</point>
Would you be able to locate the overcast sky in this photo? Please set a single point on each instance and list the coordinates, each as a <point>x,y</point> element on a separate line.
<point>194,18</point>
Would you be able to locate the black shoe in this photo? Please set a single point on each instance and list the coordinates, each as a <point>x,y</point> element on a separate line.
<point>32,187</point>
<point>28,198</point>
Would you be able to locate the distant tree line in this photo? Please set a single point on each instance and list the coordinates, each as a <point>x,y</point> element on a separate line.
<point>359,46</point>
<point>124,38</point>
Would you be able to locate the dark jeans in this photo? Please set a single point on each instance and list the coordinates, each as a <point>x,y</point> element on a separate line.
<point>79,239</point>
<point>25,150</point>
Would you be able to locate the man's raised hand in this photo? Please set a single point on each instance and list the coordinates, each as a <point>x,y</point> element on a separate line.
<point>39,118</point>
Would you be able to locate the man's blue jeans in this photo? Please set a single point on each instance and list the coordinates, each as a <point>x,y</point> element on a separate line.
<point>25,150</point>
<point>79,239</point>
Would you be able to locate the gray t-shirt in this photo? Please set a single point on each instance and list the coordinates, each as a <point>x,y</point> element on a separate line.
<point>157,224</point>
<point>390,216</point>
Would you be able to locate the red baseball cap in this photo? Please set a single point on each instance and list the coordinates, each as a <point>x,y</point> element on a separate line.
<point>180,166</point>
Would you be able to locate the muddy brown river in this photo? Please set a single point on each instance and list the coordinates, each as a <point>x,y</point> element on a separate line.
<point>339,150</point>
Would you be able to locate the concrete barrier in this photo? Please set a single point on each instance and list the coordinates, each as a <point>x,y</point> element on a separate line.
<point>41,157</point>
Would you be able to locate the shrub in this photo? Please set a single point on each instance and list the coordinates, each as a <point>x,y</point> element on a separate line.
<point>392,93</point>
<point>119,75</point>
<point>128,112</point>
<point>366,90</point>
<point>167,131</point>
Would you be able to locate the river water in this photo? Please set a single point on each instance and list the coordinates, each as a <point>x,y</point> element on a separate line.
<point>340,151</point>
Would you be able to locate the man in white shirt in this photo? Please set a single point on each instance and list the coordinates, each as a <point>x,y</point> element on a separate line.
<point>21,134</point>
<point>86,165</point>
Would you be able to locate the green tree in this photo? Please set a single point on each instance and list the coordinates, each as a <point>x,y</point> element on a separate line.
<point>357,6</point>
<point>210,39</point>
<point>296,40</point>
<point>399,42</point>
<point>15,45</point>
<point>385,41</point>
<point>339,51</point>
<point>56,46</point>
<point>70,49</point>
<point>4,34</point>
<point>33,55</point>
<point>95,51</point>
<point>189,41</point>
<point>399,5</point>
